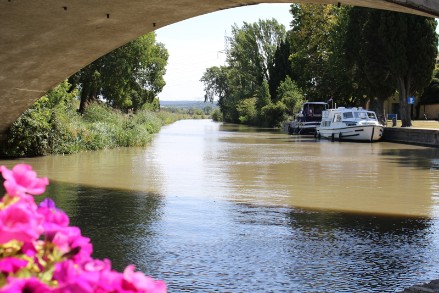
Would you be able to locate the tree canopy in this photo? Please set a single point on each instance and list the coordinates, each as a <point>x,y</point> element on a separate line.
<point>398,53</point>
<point>126,78</point>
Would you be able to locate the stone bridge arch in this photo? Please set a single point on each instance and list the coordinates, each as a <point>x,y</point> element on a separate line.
<point>42,42</point>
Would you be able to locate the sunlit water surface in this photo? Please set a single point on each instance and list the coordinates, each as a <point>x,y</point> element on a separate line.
<point>212,207</point>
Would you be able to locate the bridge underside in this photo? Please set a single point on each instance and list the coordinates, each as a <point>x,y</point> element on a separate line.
<point>42,42</point>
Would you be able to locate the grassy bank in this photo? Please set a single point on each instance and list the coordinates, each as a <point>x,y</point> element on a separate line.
<point>50,127</point>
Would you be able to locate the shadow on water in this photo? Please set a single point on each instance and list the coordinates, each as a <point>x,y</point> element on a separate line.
<point>426,158</point>
<point>119,223</point>
<point>344,252</point>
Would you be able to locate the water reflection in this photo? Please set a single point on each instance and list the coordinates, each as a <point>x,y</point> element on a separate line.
<point>125,168</point>
<point>376,246</point>
<point>120,223</point>
<point>426,158</point>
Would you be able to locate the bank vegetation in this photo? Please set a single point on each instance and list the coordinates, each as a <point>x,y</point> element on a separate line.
<point>53,125</point>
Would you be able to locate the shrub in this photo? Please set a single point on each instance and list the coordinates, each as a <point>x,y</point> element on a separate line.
<point>274,113</point>
<point>217,115</point>
<point>247,111</point>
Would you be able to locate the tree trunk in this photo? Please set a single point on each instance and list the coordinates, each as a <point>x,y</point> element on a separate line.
<point>88,95</point>
<point>377,105</point>
<point>404,108</point>
<point>83,102</point>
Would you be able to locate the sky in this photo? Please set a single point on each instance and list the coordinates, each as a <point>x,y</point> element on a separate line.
<point>198,43</point>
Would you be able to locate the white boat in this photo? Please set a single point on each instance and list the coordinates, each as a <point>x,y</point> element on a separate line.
<point>308,118</point>
<point>350,124</point>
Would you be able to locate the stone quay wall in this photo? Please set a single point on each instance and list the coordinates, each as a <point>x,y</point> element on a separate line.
<point>416,136</point>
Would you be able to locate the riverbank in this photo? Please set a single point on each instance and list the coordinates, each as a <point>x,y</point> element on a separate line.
<point>412,135</point>
<point>423,132</point>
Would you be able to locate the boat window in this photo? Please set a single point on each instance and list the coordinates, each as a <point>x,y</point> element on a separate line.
<point>348,115</point>
<point>371,115</point>
<point>337,118</point>
<point>318,109</point>
<point>361,115</point>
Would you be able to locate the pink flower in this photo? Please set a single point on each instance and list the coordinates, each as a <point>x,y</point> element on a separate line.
<point>30,248</point>
<point>97,265</point>
<point>23,180</point>
<point>100,272</point>
<point>12,264</point>
<point>54,218</point>
<point>93,276</point>
<point>70,240</point>
<point>71,278</point>
<point>138,282</point>
<point>30,285</point>
<point>20,221</point>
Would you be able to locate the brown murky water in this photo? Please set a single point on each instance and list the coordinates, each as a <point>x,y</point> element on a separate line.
<point>212,207</point>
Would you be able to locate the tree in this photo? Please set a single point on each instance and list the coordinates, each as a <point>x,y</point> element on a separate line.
<point>215,83</point>
<point>404,46</point>
<point>250,54</point>
<point>290,95</point>
<point>247,111</point>
<point>44,127</point>
<point>263,97</point>
<point>389,51</point>
<point>310,38</point>
<point>127,77</point>
<point>251,51</point>
<point>274,114</point>
<point>221,83</point>
<point>366,59</point>
<point>336,82</point>
<point>280,68</point>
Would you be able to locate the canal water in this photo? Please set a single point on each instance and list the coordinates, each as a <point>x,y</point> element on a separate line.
<point>211,207</point>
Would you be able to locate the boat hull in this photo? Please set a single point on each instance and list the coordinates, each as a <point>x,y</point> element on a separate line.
<point>356,133</point>
<point>302,127</point>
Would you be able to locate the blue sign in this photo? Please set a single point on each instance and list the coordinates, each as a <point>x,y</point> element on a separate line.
<point>411,100</point>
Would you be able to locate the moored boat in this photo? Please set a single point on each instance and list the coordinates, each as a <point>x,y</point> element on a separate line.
<point>350,124</point>
<point>308,118</point>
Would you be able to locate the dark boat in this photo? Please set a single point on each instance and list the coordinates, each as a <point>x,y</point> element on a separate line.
<point>308,118</point>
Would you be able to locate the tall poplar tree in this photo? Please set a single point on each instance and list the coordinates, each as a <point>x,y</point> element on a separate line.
<point>251,50</point>
<point>280,67</point>
<point>249,56</point>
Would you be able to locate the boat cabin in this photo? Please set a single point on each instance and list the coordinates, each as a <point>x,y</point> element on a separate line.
<point>350,124</point>
<point>311,111</point>
<point>348,117</point>
<point>308,118</point>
